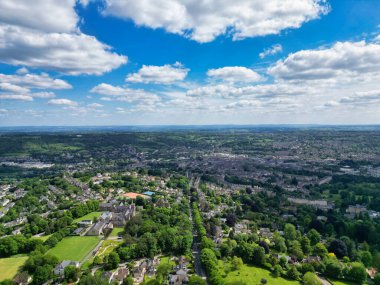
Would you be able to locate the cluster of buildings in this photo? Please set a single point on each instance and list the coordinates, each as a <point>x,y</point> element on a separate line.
<point>144,267</point>
<point>319,204</point>
<point>147,267</point>
<point>180,275</point>
<point>7,197</point>
<point>355,210</point>
<point>114,215</point>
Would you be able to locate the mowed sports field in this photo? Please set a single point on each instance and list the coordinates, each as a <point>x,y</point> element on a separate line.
<point>10,266</point>
<point>74,248</point>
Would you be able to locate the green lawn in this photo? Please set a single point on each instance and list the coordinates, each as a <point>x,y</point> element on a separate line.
<point>10,266</point>
<point>166,260</point>
<point>43,238</point>
<point>251,275</point>
<point>115,232</point>
<point>89,216</point>
<point>74,248</point>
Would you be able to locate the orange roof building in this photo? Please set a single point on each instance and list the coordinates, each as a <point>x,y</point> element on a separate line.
<point>132,195</point>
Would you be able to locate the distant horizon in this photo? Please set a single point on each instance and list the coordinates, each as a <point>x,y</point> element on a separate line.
<point>211,127</point>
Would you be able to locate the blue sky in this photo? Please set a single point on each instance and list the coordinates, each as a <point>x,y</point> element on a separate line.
<point>189,62</point>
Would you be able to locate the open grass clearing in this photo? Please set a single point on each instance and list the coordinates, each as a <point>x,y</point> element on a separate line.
<point>89,216</point>
<point>10,266</point>
<point>252,275</point>
<point>116,231</point>
<point>74,248</point>
<point>43,238</point>
<point>166,260</point>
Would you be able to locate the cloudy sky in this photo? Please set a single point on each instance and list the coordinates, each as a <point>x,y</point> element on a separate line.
<point>131,62</point>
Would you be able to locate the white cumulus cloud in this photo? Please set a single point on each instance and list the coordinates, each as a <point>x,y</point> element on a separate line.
<point>119,93</point>
<point>234,74</point>
<point>165,74</point>
<point>277,48</point>
<point>67,53</point>
<point>45,34</point>
<point>64,102</point>
<point>20,97</point>
<point>44,15</point>
<point>38,81</point>
<point>95,105</point>
<point>343,61</point>
<point>8,87</point>
<point>203,21</point>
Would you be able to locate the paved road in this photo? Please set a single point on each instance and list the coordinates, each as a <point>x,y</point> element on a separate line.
<point>324,281</point>
<point>199,270</point>
<point>197,263</point>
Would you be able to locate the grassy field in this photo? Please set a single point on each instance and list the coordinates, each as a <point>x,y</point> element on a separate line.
<point>74,248</point>
<point>43,238</point>
<point>115,232</point>
<point>89,216</point>
<point>10,266</point>
<point>251,275</point>
<point>166,260</point>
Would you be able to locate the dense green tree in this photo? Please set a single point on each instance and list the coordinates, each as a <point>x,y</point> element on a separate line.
<point>207,243</point>
<point>290,232</point>
<point>259,256</point>
<point>338,247</point>
<point>236,263</point>
<point>349,244</point>
<point>333,268</point>
<point>227,247</point>
<point>376,261</point>
<point>279,242</point>
<point>311,279</point>
<point>42,274</point>
<point>210,262</point>
<point>293,273</point>
<point>296,250</point>
<point>366,258</point>
<point>357,272</point>
<point>112,260</point>
<point>196,280</point>
<point>376,280</point>
<point>128,281</point>
<point>320,250</point>
<point>306,245</point>
<point>277,270</point>
<point>71,273</point>
<point>92,280</point>
<point>163,271</point>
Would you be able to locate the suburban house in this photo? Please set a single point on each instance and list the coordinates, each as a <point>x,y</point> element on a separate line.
<point>356,209</point>
<point>179,278</point>
<point>22,278</point>
<point>99,228</point>
<point>120,275</point>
